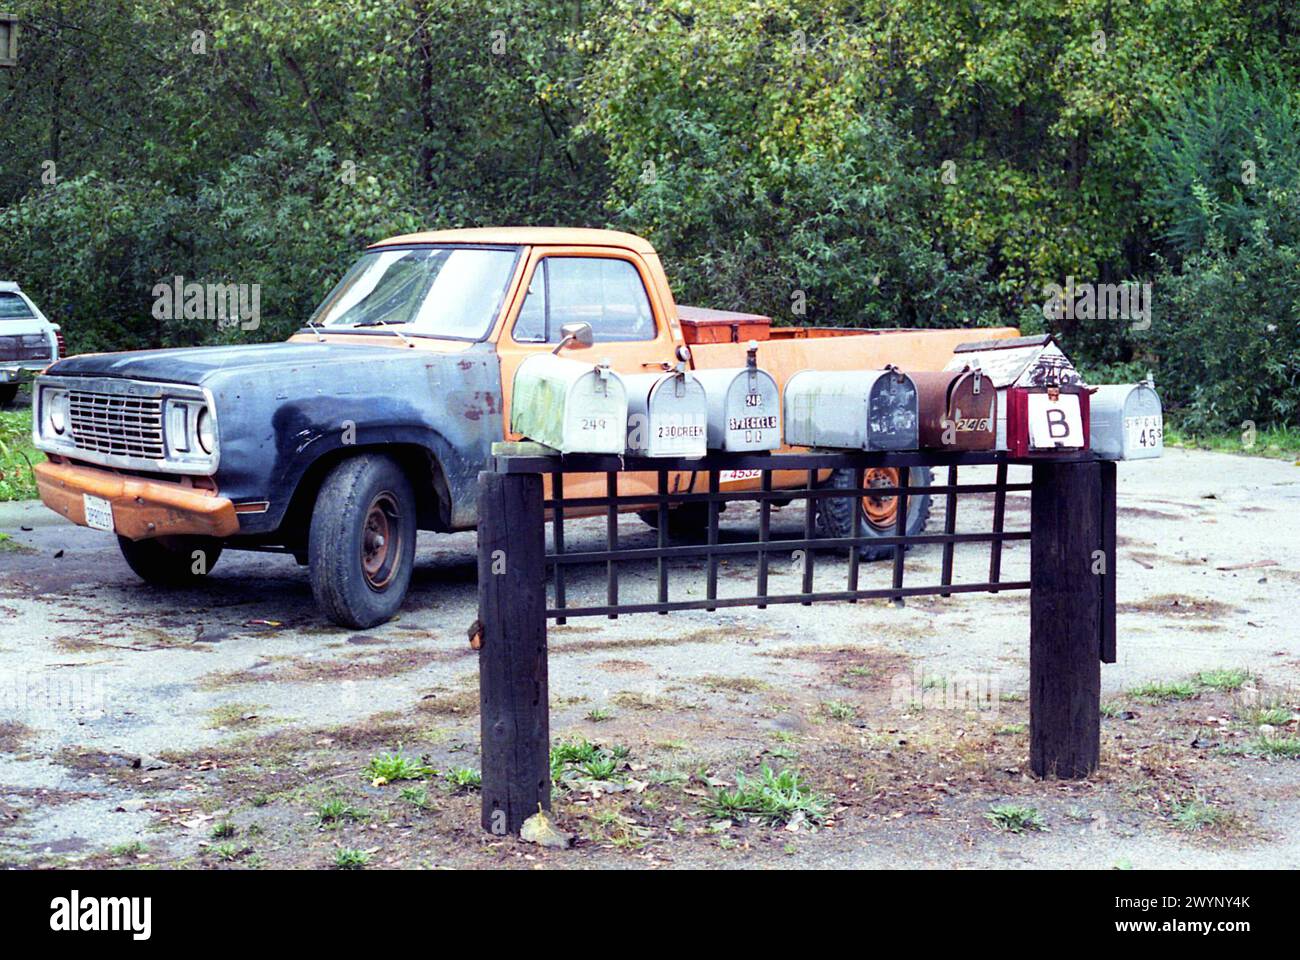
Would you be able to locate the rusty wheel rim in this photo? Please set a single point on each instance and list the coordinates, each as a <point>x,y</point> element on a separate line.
<point>880,511</point>
<point>381,541</point>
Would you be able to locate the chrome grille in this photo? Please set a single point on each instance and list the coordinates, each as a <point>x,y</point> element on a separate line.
<point>117,424</point>
<point>26,346</point>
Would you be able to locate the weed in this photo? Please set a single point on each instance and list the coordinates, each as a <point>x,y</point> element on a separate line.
<point>1015,818</point>
<point>770,797</point>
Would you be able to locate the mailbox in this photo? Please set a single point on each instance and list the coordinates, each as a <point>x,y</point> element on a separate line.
<point>851,410</point>
<point>1043,420</point>
<point>1127,422</point>
<point>744,407</point>
<point>957,410</point>
<point>571,406</point>
<point>1018,362</point>
<point>667,415</point>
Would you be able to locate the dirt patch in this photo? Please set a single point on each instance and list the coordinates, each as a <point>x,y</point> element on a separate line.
<point>624,666</point>
<point>361,665</point>
<point>1180,606</point>
<point>633,643</point>
<point>13,735</point>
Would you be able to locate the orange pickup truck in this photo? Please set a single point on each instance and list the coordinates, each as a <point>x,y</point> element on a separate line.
<point>373,421</point>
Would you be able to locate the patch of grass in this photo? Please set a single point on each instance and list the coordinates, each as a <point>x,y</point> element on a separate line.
<point>1197,814</point>
<point>17,456</point>
<point>714,681</point>
<point>1278,442</point>
<point>234,715</point>
<point>416,796</point>
<point>586,759</point>
<point>347,859</point>
<point>1274,748</point>
<point>1163,690</point>
<point>839,710</point>
<point>773,798</point>
<point>132,849</point>
<point>599,715</point>
<point>1269,714</point>
<point>1112,709</point>
<point>226,851</point>
<point>223,830</point>
<point>334,812</point>
<point>464,779</point>
<point>1009,729</point>
<point>1015,818</point>
<point>390,767</point>
<point>1224,679</point>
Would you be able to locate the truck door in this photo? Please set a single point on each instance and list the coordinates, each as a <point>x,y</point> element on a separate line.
<point>610,289</point>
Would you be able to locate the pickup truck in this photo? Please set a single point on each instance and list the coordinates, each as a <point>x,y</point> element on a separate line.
<point>28,341</point>
<point>373,421</point>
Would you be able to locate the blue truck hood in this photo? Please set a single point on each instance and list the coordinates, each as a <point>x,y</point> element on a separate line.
<point>201,365</point>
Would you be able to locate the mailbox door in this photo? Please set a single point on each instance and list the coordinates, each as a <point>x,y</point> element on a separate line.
<point>677,418</point>
<point>892,413</point>
<point>825,408</point>
<point>932,391</point>
<point>972,409</point>
<point>1144,424</point>
<point>1038,425</point>
<point>751,417</point>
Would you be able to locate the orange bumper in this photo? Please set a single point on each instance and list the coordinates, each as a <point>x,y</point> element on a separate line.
<point>141,508</point>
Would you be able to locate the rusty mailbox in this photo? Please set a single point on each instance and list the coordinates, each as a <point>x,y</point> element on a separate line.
<point>667,415</point>
<point>744,407</point>
<point>851,410</point>
<point>1127,421</point>
<point>571,406</point>
<point>957,409</point>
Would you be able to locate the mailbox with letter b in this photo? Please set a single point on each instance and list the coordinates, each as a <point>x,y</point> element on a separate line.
<point>571,406</point>
<point>744,407</point>
<point>851,410</point>
<point>958,410</point>
<point>1050,419</point>
<point>1127,422</point>
<point>1025,363</point>
<point>667,415</point>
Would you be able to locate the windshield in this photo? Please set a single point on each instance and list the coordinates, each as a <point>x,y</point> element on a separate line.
<point>452,292</point>
<point>14,307</point>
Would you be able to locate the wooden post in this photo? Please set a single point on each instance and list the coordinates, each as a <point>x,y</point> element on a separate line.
<point>512,670</point>
<point>1065,620</point>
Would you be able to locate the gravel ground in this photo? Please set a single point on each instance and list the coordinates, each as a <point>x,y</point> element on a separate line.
<point>130,715</point>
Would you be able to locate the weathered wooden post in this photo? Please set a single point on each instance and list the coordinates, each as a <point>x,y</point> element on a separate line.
<point>514,703</point>
<point>1065,619</point>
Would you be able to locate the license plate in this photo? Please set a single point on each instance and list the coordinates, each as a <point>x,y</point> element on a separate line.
<point>735,476</point>
<point>1055,424</point>
<point>99,513</point>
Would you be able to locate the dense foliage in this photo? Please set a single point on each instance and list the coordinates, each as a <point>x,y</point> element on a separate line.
<point>845,162</point>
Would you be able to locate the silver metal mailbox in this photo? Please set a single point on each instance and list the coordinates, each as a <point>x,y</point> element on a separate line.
<point>851,410</point>
<point>1127,422</point>
<point>744,407</point>
<point>572,406</point>
<point>667,415</point>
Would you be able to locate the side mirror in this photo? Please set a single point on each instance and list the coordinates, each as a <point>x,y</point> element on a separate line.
<point>574,335</point>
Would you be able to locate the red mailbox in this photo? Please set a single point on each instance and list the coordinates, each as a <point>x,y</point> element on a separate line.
<point>1047,419</point>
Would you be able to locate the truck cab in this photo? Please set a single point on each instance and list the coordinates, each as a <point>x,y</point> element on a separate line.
<point>374,420</point>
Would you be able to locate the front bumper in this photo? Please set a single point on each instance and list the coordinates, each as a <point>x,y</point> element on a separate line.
<point>23,372</point>
<point>141,508</point>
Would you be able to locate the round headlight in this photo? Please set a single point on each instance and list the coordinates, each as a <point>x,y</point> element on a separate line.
<point>58,402</point>
<point>204,428</point>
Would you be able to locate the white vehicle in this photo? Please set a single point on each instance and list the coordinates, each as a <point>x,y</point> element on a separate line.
<point>28,341</point>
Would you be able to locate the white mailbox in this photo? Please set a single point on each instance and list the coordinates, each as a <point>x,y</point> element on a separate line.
<point>744,407</point>
<point>1127,422</point>
<point>851,410</point>
<point>667,415</point>
<point>572,406</point>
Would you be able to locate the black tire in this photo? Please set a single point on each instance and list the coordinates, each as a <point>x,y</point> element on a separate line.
<point>171,561</point>
<point>359,575</point>
<point>835,517</point>
<point>8,393</point>
<point>689,522</point>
